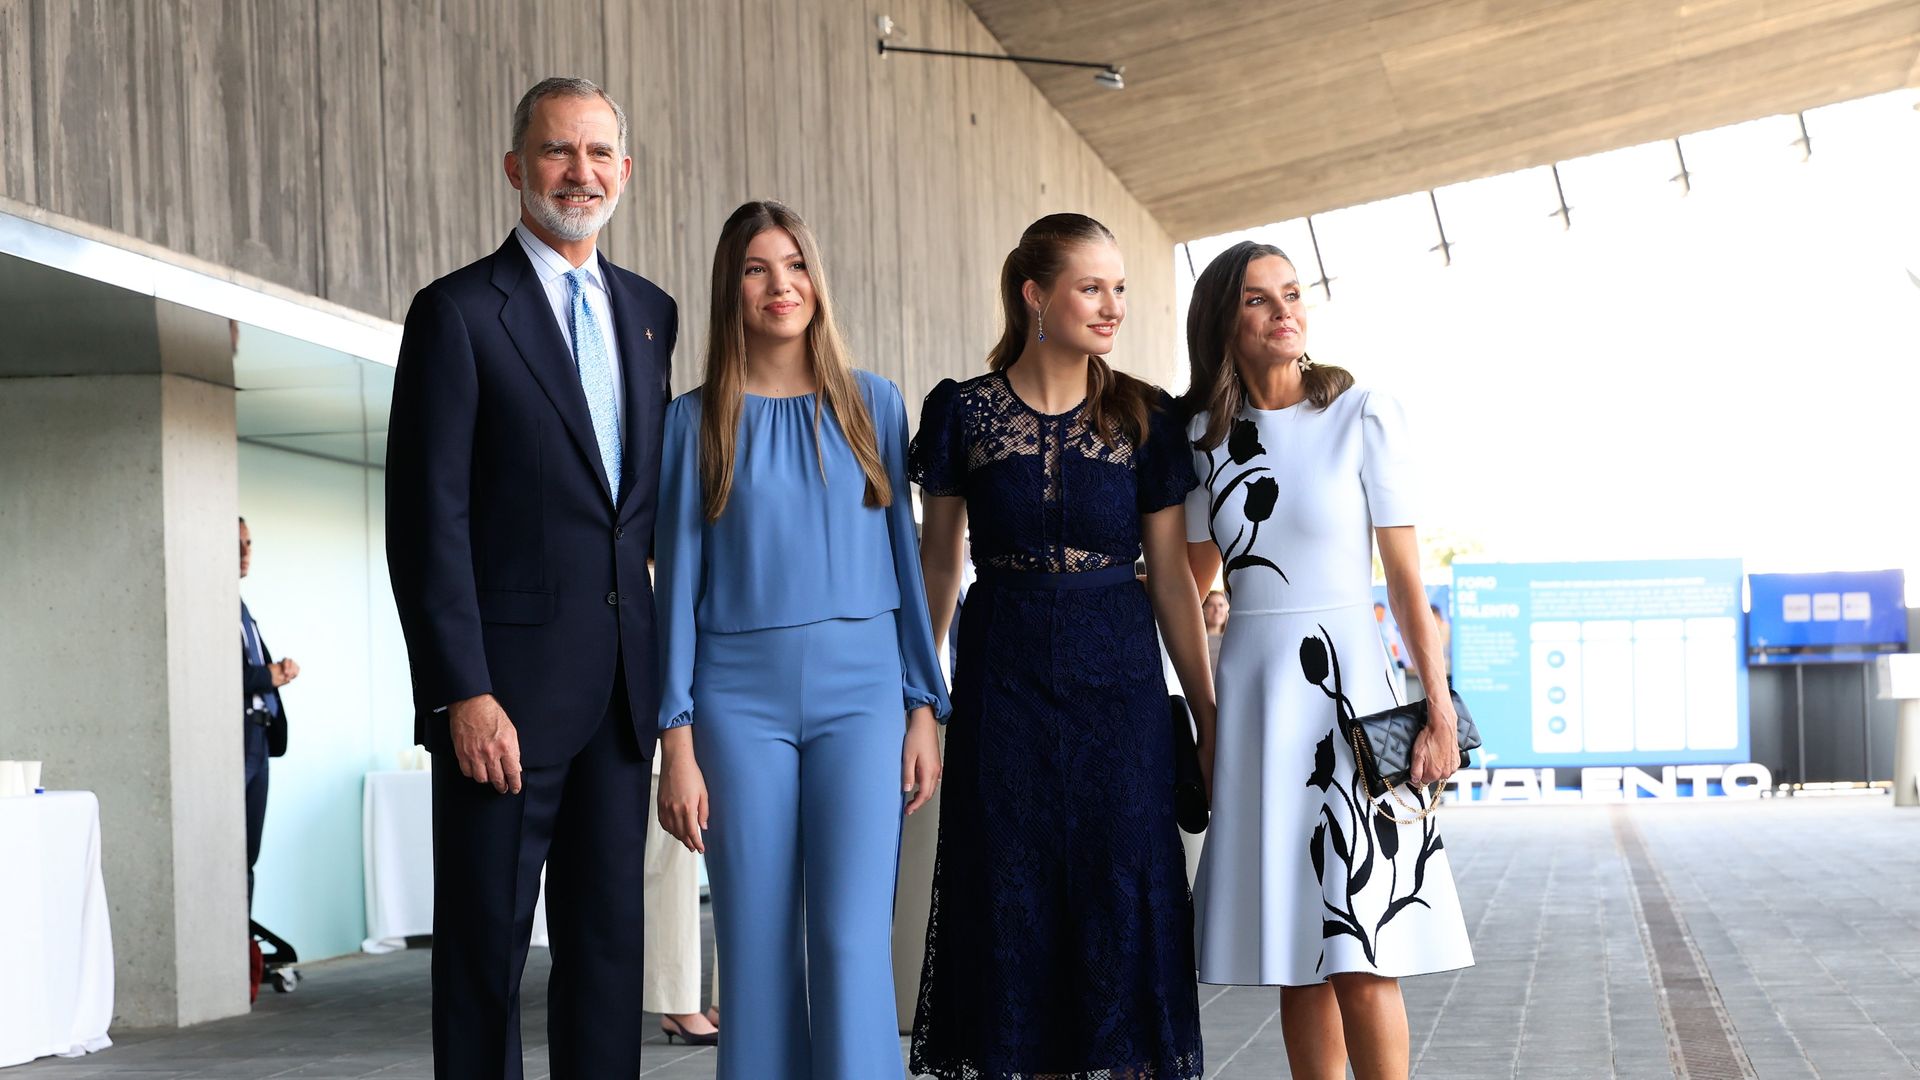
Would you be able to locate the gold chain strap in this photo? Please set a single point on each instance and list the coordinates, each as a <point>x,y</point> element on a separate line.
<point>1420,812</point>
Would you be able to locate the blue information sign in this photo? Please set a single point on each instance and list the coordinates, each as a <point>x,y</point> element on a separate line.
<point>1844,617</point>
<point>1619,663</point>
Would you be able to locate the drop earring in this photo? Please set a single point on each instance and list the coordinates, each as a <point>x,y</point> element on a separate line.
<point>1040,333</point>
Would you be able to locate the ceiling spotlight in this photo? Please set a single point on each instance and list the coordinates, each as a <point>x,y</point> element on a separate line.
<point>1110,79</point>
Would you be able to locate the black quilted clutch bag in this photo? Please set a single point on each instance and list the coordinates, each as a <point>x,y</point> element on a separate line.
<point>1383,741</point>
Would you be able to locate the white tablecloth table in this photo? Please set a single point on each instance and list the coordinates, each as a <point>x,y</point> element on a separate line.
<point>56,952</point>
<point>396,825</point>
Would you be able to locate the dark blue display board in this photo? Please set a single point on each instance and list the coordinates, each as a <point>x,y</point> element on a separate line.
<point>1835,618</point>
<point>1619,663</point>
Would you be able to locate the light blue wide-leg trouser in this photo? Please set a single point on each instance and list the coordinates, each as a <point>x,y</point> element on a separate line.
<point>799,731</point>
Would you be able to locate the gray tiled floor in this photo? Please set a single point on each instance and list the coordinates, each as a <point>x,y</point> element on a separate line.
<point>1805,913</point>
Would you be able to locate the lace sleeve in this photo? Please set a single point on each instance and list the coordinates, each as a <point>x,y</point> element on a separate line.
<point>937,460</point>
<point>1165,469</point>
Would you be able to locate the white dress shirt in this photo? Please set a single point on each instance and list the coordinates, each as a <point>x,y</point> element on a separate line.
<point>256,650</point>
<point>552,269</point>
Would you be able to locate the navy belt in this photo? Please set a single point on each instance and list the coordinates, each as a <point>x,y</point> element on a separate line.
<point>1035,579</point>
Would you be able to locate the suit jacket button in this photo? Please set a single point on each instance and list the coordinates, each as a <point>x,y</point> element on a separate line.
<point>619,533</point>
<point>613,598</point>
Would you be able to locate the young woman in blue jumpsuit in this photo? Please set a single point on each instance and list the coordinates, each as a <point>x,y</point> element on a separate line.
<point>799,682</point>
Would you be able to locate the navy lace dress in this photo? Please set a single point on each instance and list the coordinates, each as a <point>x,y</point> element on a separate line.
<point>1061,937</point>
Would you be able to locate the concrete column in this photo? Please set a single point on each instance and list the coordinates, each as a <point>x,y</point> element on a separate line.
<point>118,657</point>
<point>1906,756</point>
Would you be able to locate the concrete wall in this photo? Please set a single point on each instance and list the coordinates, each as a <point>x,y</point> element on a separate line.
<point>351,149</point>
<point>319,590</point>
<point>117,660</point>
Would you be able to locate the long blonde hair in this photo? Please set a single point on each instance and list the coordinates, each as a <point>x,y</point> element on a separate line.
<point>722,394</point>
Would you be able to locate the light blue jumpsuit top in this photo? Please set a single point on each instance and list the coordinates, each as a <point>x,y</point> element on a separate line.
<point>790,548</point>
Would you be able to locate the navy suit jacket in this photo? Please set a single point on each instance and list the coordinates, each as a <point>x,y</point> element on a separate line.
<point>514,570</point>
<point>258,679</point>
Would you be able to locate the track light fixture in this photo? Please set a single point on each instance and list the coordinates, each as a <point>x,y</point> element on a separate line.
<point>1107,76</point>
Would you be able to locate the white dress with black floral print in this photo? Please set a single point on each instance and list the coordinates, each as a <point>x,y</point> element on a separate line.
<point>1300,878</point>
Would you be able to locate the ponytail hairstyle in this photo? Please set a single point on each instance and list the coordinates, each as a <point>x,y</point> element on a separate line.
<point>1213,320</point>
<point>722,393</point>
<point>1117,403</point>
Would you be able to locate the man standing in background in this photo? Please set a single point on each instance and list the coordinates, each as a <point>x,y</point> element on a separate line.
<point>261,677</point>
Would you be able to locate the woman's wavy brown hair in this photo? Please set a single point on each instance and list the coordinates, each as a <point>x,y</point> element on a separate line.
<point>723,391</point>
<point>1117,403</point>
<point>1213,319</point>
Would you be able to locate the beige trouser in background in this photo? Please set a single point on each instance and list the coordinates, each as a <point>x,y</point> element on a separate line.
<point>670,977</point>
<point>1193,845</point>
<point>913,901</point>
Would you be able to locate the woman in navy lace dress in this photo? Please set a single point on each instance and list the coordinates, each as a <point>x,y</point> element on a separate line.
<point>1061,937</point>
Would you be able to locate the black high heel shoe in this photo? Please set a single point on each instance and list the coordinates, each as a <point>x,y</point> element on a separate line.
<point>672,1029</point>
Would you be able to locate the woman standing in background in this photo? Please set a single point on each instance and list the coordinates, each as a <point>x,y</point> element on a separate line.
<point>1213,610</point>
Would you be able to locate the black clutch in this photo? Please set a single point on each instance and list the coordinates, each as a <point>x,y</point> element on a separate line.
<point>1190,810</point>
<point>1383,741</point>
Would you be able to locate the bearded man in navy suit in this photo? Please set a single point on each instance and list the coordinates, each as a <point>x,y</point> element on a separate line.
<point>522,466</point>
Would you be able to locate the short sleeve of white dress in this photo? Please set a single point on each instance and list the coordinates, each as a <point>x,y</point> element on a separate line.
<point>1199,500</point>
<point>1387,469</point>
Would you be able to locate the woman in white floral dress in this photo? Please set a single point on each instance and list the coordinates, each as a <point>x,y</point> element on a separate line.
<point>1303,883</point>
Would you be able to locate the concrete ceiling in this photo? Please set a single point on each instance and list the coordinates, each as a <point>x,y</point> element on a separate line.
<point>73,304</point>
<point>290,393</point>
<point>1242,112</point>
<point>308,398</point>
<point>57,323</point>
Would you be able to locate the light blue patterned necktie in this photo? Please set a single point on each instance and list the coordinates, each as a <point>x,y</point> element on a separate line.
<point>596,374</point>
